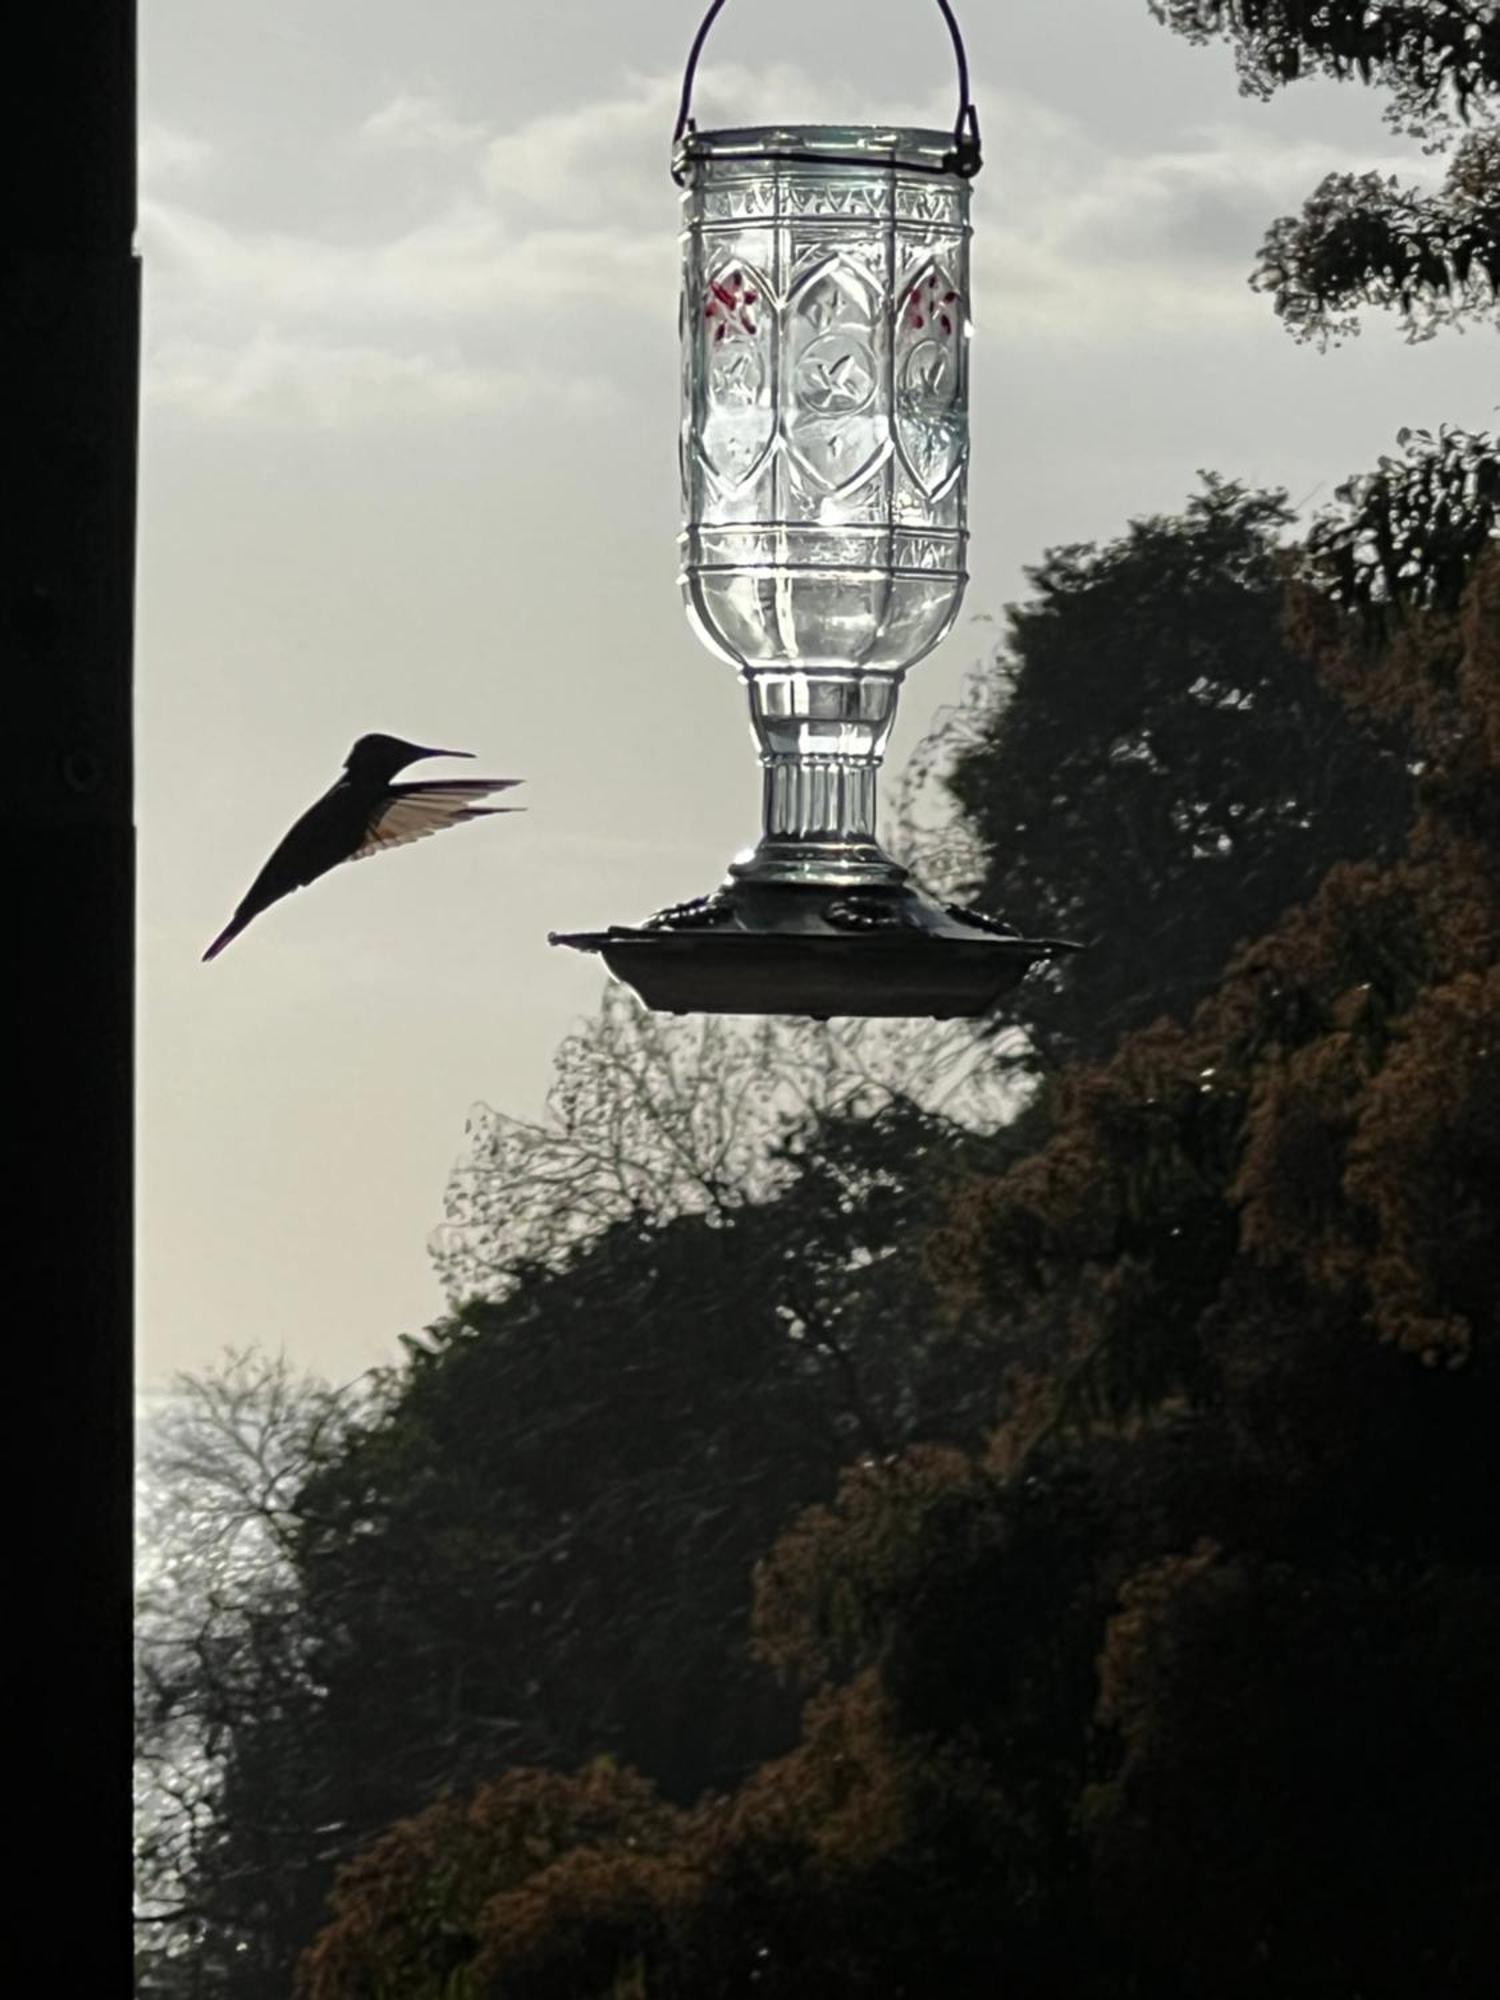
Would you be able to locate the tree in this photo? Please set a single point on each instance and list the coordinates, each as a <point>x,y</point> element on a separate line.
<point>604,1830</point>
<point>1406,537</point>
<point>1364,240</point>
<point>217,1645</point>
<point>1274,1231</point>
<point>726,1281</point>
<point>1180,1683</point>
<point>690,1294</point>
<point>650,1118</point>
<point>1156,770</point>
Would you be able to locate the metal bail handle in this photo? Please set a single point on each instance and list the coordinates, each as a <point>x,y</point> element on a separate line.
<point>964,160</point>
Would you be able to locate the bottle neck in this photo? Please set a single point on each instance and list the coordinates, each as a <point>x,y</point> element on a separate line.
<point>818,817</point>
<point>820,799</point>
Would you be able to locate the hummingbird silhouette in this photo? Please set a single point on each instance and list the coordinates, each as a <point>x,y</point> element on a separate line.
<point>363,813</point>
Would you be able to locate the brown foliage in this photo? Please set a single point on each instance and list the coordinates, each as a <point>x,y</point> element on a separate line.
<point>840,1796</point>
<point>820,1595</point>
<point>1327,1118</point>
<point>1304,1799</point>
<point>1182,1687</point>
<point>444,1900</point>
<point>1424,1164</point>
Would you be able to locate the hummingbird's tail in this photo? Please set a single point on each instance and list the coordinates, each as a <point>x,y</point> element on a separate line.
<point>231,930</point>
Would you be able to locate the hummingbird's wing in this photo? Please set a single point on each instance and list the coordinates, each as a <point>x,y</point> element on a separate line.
<point>344,827</point>
<point>409,812</point>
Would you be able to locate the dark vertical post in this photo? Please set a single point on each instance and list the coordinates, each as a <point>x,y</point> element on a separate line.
<point>69,338</point>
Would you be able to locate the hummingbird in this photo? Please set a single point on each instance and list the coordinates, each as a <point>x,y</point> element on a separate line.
<point>363,813</point>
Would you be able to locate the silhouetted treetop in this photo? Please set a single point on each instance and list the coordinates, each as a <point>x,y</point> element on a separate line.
<point>1363,239</point>
<point>1158,770</point>
<point>1407,536</point>
<point>1438,59</point>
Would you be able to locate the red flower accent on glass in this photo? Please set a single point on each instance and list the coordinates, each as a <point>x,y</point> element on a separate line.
<point>926,301</point>
<point>728,305</point>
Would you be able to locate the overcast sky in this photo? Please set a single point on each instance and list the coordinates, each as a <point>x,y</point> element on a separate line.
<point>409,464</point>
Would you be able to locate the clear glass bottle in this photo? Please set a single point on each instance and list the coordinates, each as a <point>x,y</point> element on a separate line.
<point>825,329</point>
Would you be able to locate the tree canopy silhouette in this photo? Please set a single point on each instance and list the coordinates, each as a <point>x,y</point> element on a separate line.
<point>1158,770</point>
<point>1364,240</point>
<point>1021,1423</point>
<point>1180,1682</point>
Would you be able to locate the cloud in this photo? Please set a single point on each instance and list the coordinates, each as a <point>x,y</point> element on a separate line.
<point>1084,245</point>
<point>535,251</point>
<point>620,148</point>
<point>461,272</point>
<point>268,377</point>
<point>166,155</point>
<point>411,123</point>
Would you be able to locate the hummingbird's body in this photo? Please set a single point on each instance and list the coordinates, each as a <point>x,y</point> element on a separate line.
<point>361,814</point>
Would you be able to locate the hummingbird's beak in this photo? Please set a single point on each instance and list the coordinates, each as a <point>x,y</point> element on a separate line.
<point>443,753</point>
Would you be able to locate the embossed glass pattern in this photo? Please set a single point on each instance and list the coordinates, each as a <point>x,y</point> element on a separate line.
<point>824,452</point>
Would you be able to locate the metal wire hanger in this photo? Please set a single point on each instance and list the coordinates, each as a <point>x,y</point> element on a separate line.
<point>963,159</point>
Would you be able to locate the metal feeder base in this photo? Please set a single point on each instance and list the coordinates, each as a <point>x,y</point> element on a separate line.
<point>781,948</point>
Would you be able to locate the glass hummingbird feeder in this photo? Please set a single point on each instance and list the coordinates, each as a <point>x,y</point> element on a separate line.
<point>825,450</point>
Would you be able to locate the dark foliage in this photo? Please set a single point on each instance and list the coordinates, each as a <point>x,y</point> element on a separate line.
<point>1406,537</point>
<point>1437,58</point>
<point>1162,772</point>
<point>1362,239</point>
<point>1228,1292</point>
<point>1181,1685</point>
<point>538,1546</point>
